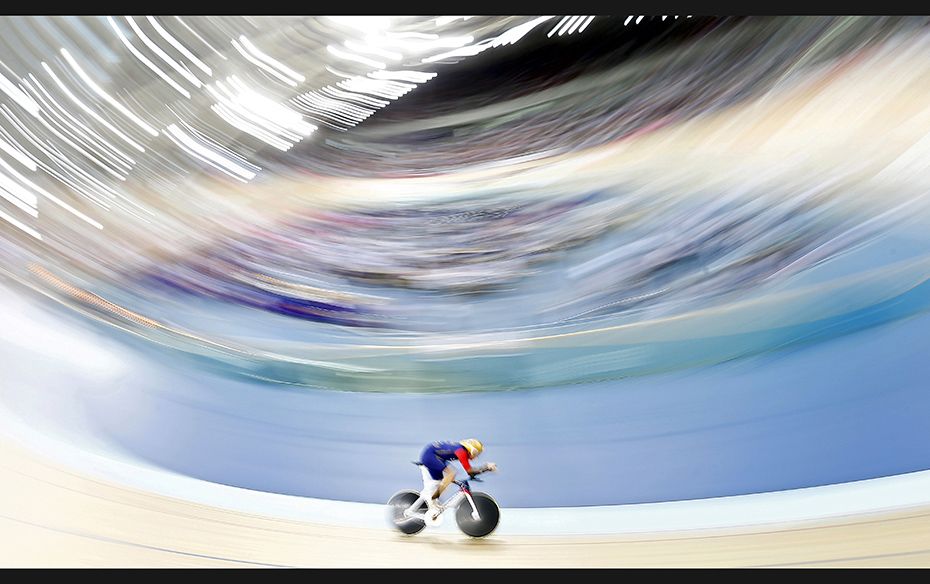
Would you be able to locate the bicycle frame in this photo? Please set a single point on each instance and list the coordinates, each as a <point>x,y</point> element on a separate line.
<point>452,502</point>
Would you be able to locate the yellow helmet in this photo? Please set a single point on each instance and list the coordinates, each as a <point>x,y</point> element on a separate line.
<point>473,446</point>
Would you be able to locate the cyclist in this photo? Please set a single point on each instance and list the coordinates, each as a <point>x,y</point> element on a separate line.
<point>437,472</point>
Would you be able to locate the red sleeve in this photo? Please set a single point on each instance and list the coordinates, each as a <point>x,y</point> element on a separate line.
<point>463,458</point>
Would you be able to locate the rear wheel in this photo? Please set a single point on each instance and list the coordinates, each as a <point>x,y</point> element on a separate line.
<point>396,506</point>
<point>489,515</point>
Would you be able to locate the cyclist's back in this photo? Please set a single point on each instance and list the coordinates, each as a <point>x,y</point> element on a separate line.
<point>443,450</point>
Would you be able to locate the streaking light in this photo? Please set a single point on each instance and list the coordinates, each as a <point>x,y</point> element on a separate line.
<point>26,102</point>
<point>357,97</point>
<point>89,134</point>
<point>274,63</point>
<point>206,154</point>
<point>48,195</point>
<point>444,20</point>
<point>145,61</point>
<point>576,24</point>
<point>367,24</point>
<point>162,55</point>
<point>106,96</point>
<point>567,24</point>
<point>16,153</point>
<point>412,76</point>
<point>180,47</point>
<point>20,225</point>
<point>201,39</point>
<point>557,26</point>
<point>263,66</point>
<point>372,50</point>
<point>353,57</point>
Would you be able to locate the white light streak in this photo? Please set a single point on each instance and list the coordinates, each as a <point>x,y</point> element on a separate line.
<point>52,115</point>
<point>368,24</point>
<point>4,193</point>
<point>330,104</point>
<point>237,119</point>
<point>328,111</point>
<point>353,57</point>
<point>92,183</point>
<point>180,47</point>
<point>201,39</point>
<point>162,55</point>
<point>208,155</point>
<point>213,143</point>
<point>585,25</point>
<point>80,149</point>
<point>339,73</point>
<point>19,155</point>
<point>326,104</point>
<point>627,21</point>
<point>21,225</point>
<point>26,132</point>
<point>146,61</point>
<point>516,33</point>
<point>51,151</point>
<point>23,198</point>
<point>576,24</point>
<point>412,35</point>
<point>638,18</point>
<point>412,76</point>
<point>567,24</point>
<point>422,45</point>
<point>48,195</point>
<point>444,20</point>
<point>270,109</point>
<point>358,97</point>
<point>49,170</point>
<point>372,50</point>
<point>274,63</point>
<point>106,96</point>
<point>258,115</point>
<point>382,88</point>
<point>78,124</point>
<point>467,51</point>
<point>268,69</point>
<point>26,102</point>
<point>557,26</point>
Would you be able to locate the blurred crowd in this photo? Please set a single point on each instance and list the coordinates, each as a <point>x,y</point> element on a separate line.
<point>599,254</point>
<point>569,111</point>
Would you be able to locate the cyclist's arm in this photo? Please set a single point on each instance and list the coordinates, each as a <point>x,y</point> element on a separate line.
<point>462,455</point>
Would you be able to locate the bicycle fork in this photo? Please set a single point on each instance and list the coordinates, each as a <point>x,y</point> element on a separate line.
<point>474,508</point>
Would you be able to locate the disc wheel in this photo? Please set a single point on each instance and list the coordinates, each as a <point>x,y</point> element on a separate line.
<point>489,515</point>
<point>396,506</point>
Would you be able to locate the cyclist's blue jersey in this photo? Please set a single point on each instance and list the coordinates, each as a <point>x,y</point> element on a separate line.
<point>443,450</point>
<point>437,455</point>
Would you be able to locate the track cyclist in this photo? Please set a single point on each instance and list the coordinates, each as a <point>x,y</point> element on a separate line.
<point>438,473</point>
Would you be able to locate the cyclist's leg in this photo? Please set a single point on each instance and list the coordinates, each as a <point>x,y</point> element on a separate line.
<point>431,480</point>
<point>431,488</point>
<point>448,475</point>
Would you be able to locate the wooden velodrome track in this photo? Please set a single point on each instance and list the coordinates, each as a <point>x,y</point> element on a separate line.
<point>53,517</point>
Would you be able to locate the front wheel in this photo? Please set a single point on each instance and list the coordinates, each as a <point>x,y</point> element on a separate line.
<point>489,515</point>
<point>396,506</point>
